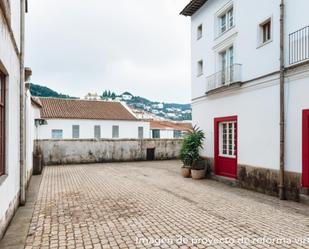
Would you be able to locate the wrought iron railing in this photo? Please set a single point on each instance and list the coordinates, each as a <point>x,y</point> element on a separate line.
<point>299,45</point>
<point>225,77</point>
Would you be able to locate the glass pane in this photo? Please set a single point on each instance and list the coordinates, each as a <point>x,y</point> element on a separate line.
<point>223,23</point>
<point>231,18</point>
<point>115,131</point>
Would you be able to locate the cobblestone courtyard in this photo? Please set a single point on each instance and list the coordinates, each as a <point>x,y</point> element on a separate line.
<point>149,205</point>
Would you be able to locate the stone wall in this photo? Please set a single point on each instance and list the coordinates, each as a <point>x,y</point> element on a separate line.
<point>267,181</point>
<point>57,152</point>
<point>264,180</point>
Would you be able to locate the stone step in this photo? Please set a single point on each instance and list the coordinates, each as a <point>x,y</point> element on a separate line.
<point>226,180</point>
<point>304,199</point>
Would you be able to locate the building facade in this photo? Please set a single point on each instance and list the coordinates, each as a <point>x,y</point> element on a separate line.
<point>82,119</point>
<point>12,166</point>
<point>168,129</point>
<point>236,90</point>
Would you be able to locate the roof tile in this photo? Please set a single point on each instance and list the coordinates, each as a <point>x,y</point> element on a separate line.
<point>84,109</point>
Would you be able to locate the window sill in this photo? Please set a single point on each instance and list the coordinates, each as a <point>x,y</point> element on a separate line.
<point>2,179</point>
<point>225,32</point>
<point>199,75</point>
<point>264,44</point>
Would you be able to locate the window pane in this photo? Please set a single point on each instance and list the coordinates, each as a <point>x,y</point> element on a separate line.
<point>115,131</point>
<point>223,23</point>
<point>57,134</point>
<point>231,18</point>
<point>155,133</point>
<point>177,134</point>
<point>140,132</point>
<point>199,32</point>
<point>75,131</point>
<point>97,131</point>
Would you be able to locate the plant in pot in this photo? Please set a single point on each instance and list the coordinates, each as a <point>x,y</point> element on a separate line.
<point>193,165</point>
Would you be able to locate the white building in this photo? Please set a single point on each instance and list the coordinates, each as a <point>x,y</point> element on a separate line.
<point>32,116</point>
<point>236,90</point>
<point>82,119</point>
<point>12,150</point>
<point>127,96</point>
<point>92,96</point>
<point>168,129</point>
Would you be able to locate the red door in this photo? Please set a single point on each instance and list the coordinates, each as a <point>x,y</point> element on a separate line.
<point>226,146</point>
<point>305,172</point>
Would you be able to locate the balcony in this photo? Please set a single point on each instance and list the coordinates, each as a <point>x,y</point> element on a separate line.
<point>224,78</point>
<point>299,46</point>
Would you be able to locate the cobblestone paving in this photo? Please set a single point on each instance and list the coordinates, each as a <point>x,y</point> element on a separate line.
<point>149,205</point>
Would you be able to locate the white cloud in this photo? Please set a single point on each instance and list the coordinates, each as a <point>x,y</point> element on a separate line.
<point>141,46</point>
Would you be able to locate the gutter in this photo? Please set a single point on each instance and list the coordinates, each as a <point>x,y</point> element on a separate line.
<point>22,106</point>
<point>282,193</point>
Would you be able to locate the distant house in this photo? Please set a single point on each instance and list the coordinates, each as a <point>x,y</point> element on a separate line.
<point>168,129</point>
<point>92,96</point>
<point>158,106</point>
<point>84,119</point>
<point>127,96</point>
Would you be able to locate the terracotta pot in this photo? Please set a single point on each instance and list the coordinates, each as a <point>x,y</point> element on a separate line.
<point>198,174</point>
<point>185,172</point>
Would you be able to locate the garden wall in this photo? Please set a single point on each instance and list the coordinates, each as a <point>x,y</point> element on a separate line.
<point>57,152</point>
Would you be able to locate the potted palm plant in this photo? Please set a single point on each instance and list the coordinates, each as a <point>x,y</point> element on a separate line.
<point>193,164</point>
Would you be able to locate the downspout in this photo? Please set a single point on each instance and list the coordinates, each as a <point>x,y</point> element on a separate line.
<point>282,195</point>
<point>22,106</point>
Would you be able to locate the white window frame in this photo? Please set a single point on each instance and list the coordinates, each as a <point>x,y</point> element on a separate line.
<point>199,32</point>
<point>200,68</point>
<point>261,41</point>
<point>57,137</point>
<point>225,19</point>
<point>229,142</point>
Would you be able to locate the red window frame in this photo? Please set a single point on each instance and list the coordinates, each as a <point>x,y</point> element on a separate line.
<point>2,124</point>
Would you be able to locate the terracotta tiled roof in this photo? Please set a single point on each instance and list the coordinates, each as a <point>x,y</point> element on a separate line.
<point>84,109</point>
<point>167,125</point>
<point>192,7</point>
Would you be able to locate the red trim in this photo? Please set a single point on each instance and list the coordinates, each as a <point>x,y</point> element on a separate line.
<point>221,162</point>
<point>305,172</point>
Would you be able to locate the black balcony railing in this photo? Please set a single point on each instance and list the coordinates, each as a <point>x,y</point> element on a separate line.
<point>299,45</point>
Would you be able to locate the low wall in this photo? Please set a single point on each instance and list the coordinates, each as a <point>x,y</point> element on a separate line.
<point>56,152</point>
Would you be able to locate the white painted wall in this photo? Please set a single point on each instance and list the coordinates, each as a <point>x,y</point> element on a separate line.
<point>255,60</point>
<point>127,129</point>
<point>32,113</point>
<point>9,64</point>
<point>256,103</point>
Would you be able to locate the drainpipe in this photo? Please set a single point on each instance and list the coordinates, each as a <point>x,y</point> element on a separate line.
<point>282,105</point>
<point>22,106</point>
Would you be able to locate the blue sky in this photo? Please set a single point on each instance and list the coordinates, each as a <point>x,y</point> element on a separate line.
<point>142,46</point>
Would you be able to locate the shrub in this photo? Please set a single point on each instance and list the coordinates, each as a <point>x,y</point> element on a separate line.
<point>189,153</point>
